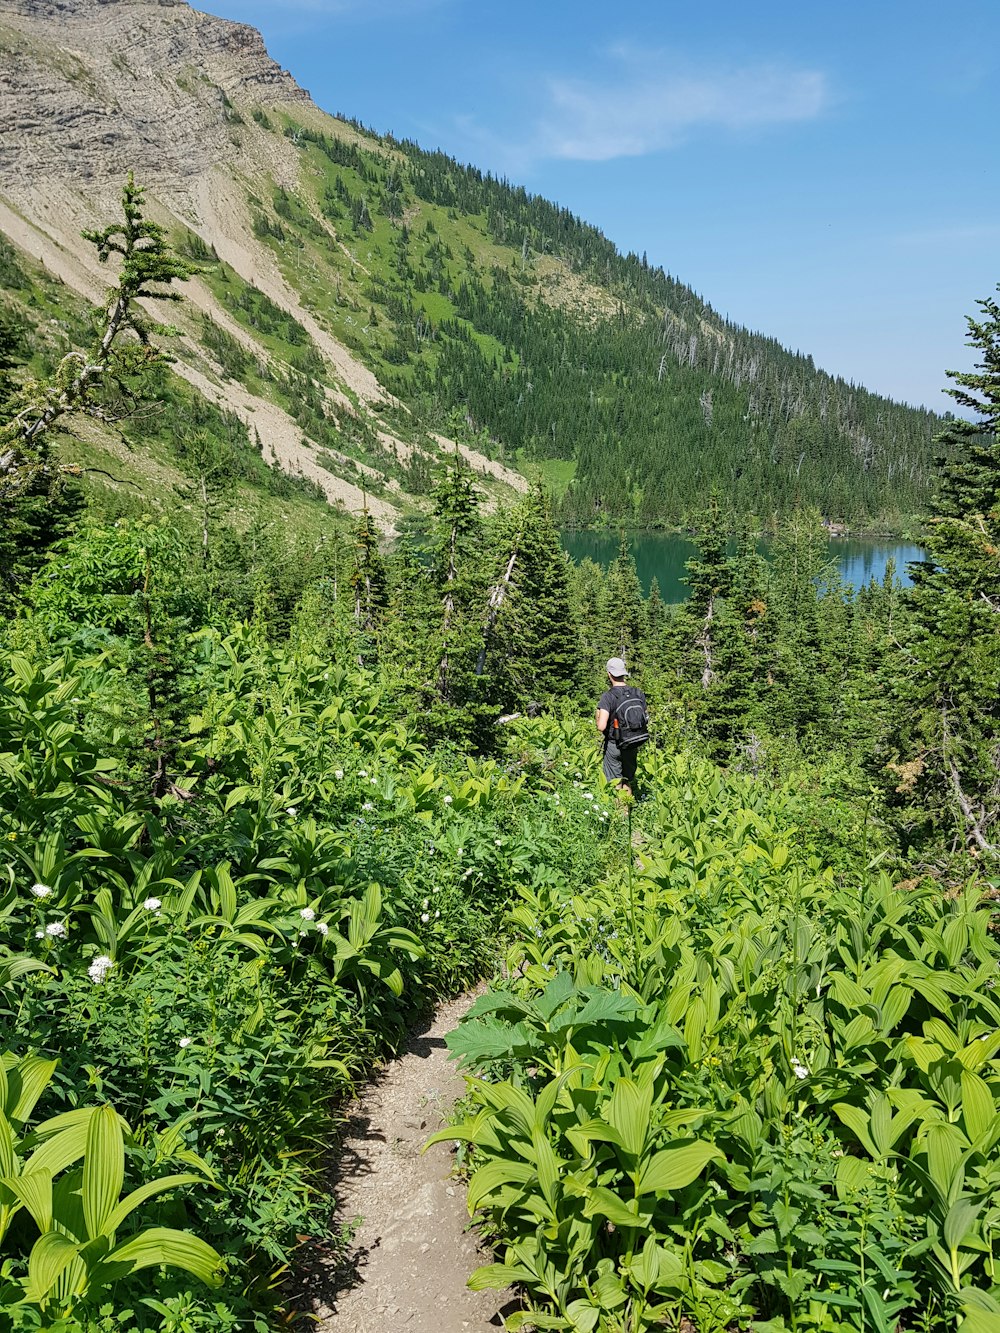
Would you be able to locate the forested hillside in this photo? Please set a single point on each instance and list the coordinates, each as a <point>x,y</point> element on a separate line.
<point>363,303</point>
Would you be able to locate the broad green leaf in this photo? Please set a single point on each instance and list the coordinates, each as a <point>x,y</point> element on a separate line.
<point>547,1164</point>
<point>960,1223</point>
<point>26,1082</point>
<point>63,1141</point>
<point>6,1147</point>
<point>944,1159</point>
<point>583,1316</point>
<point>468,1130</point>
<point>495,1277</point>
<point>516,1103</point>
<point>103,1169</point>
<point>676,1167</point>
<point>34,1190</point>
<point>627,1111</point>
<point>605,1006</point>
<point>12,968</point>
<point>853,1175</point>
<point>149,1190</point>
<point>602,1202</point>
<point>50,1256</point>
<point>980,1321</point>
<point>176,1249</point>
<point>979,1110</point>
<point>495,1176</point>
<point>856,1121</point>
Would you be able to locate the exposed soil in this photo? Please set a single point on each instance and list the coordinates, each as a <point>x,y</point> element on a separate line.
<point>412,1251</point>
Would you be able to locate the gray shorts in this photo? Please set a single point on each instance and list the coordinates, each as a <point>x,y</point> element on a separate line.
<point>619,764</point>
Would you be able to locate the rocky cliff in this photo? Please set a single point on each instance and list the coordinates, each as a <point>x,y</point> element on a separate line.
<point>90,89</point>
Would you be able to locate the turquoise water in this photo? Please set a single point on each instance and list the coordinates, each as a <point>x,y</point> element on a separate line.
<point>662,555</point>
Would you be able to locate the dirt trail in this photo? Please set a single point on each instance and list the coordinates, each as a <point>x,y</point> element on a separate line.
<point>411,1252</point>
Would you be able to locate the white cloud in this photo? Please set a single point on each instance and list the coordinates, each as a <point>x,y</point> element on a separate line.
<point>651,101</point>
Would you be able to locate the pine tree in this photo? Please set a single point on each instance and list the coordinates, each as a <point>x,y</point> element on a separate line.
<point>708,579</point>
<point>457,704</point>
<point>535,638</point>
<point>457,535</point>
<point>369,584</point>
<point>948,737</point>
<point>37,501</point>
<point>624,613</point>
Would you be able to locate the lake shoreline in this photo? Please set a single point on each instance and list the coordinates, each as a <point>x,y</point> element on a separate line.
<point>663,555</point>
<point>905,537</point>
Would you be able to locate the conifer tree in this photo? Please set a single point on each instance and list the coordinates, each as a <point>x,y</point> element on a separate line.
<point>457,535</point>
<point>123,352</point>
<point>537,624</point>
<point>948,739</point>
<point>623,608</point>
<point>800,698</point>
<point>708,578</point>
<point>456,703</point>
<point>369,584</point>
<point>37,500</point>
<point>654,628</point>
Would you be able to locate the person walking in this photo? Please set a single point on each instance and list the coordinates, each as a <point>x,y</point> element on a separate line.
<point>621,720</point>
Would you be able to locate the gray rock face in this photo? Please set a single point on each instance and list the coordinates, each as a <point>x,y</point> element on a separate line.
<point>90,89</point>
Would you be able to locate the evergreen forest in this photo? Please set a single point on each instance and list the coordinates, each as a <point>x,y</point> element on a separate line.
<point>271,787</point>
<point>498,317</point>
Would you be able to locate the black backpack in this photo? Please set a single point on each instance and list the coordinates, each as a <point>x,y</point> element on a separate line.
<point>628,721</point>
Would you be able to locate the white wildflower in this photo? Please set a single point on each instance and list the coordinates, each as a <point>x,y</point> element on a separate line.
<point>99,969</point>
<point>322,928</point>
<point>41,890</point>
<point>588,795</point>
<point>55,929</point>
<point>39,934</point>
<point>308,914</point>
<point>437,914</point>
<point>185,1041</point>
<point>338,773</point>
<point>425,916</point>
<point>447,800</point>
<point>799,1069</point>
<point>498,841</point>
<point>152,904</point>
<point>362,772</point>
<point>292,810</point>
<point>426,903</point>
<point>367,806</point>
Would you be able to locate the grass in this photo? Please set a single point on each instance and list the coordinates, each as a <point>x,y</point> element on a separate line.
<point>556,473</point>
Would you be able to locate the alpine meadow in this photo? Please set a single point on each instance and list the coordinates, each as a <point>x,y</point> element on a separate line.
<point>297,742</point>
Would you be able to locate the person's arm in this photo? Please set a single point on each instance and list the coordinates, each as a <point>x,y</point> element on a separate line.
<point>601,719</point>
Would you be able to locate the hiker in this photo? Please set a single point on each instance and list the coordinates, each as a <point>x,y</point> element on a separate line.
<point>621,720</point>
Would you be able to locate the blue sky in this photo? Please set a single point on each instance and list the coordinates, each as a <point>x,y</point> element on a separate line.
<point>824,174</point>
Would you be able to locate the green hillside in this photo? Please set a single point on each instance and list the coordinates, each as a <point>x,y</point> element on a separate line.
<point>479,304</point>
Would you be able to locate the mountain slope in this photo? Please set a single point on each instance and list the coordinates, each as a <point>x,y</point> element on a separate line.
<point>364,305</point>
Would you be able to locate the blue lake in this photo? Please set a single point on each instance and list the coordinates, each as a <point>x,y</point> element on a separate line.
<point>662,555</point>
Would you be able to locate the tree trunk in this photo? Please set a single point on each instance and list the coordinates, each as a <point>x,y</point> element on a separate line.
<point>497,598</point>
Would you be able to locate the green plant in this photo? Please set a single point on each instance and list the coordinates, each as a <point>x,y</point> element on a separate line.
<point>77,1256</point>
